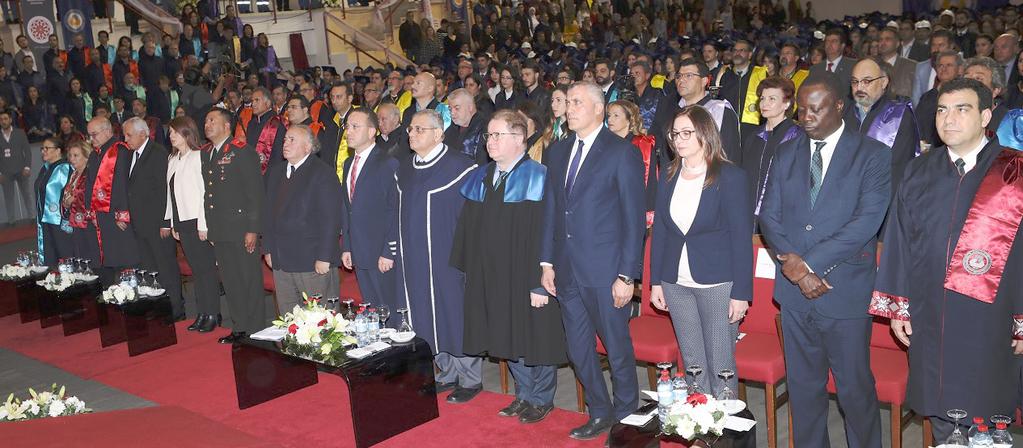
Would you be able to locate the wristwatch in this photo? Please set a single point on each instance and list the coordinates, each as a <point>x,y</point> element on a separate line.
<point>626,279</point>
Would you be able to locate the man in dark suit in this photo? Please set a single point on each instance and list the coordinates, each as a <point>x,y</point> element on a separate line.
<point>1006,52</point>
<point>903,70</point>
<point>234,198</point>
<point>390,130</point>
<point>302,222</point>
<point>147,202</point>
<point>835,41</point>
<point>467,127</point>
<point>593,240</point>
<point>369,208</point>
<point>827,195</point>
<point>927,69</point>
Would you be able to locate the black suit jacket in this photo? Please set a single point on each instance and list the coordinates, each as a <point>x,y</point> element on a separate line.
<point>370,221</point>
<point>147,191</point>
<point>301,217</point>
<point>234,191</point>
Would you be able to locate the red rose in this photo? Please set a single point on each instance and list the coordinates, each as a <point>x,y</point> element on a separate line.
<point>293,329</point>
<point>696,399</point>
<point>322,323</point>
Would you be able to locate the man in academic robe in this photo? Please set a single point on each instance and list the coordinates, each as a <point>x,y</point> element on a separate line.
<point>297,108</point>
<point>336,150</point>
<point>302,223</point>
<point>497,245</point>
<point>369,212</point>
<point>77,56</point>
<point>390,131</point>
<point>827,195</point>
<point>234,198</point>
<point>424,97</point>
<point>735,86</point>
<point>467,127</point>
<point>106,195</point>
<point>428,206</point>
<point>591,253</point>
<point>262,129</point>
<point>879,116</point>
<point>987,72</point>
<point>147,202</point>
<point>647,97</point>
<point>948,277</point>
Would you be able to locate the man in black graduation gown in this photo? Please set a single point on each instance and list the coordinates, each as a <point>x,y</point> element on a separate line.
<point>467,127</point>
<point>497,245</point>
<point>390,130</point>
<point>735,81</point>
<point>941,237</point>
<point>265,130</point>
<point>106,193</point>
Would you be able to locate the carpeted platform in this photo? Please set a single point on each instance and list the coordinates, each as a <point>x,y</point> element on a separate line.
<point>196,375</point>
<point>17,233</point>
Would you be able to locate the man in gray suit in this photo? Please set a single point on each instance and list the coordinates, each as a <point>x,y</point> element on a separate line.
<point>941,41</point>
<point>903,70</point>
<point>835,41</point>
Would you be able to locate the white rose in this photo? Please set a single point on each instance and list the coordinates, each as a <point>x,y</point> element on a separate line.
<point>76,404</point>
<point>57,408</point>
<point>33,408</point>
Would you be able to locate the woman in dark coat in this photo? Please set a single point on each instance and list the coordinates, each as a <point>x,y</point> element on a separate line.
<point>81,220</point>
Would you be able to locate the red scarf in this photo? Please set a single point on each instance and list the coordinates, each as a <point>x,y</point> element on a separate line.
<point>101,190</point>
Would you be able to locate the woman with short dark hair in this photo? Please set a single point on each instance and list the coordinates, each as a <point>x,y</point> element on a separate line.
<point>776,97</point>
<point>53,234</point>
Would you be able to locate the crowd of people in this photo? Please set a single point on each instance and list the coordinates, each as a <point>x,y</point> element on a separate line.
<point>502,188</point>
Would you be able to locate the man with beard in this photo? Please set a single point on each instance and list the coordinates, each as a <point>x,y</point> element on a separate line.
<point>735,86</point>
<point>691,81</point>
<point>262,129</point>
<point>531,78</point>
<point>788,58</point>
<point>604,76</point>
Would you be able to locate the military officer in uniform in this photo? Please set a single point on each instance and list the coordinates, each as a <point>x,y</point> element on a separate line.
<point>234,195</point>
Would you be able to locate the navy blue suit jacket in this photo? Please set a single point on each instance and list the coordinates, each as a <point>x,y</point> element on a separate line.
<point>302,224</point>
<point>369,224</point>
<point>837,238</point>
<point>597,233</point>
<point>719,242</point>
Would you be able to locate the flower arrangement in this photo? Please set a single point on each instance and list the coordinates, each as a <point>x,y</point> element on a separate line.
<point>15,271</point>
<point>697,417</point>
<point>42,404</point>
<point>314,331</point>
<point>118,294</point>
<point>56,281</point>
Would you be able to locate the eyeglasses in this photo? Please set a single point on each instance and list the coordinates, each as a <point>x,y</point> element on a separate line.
<point>49,147</point>
<point>418,129</point>
<point>865,82</point>
<point>497,136</point>
<point>684,134</point>
<point>688,76</point>
<point>353,126</point>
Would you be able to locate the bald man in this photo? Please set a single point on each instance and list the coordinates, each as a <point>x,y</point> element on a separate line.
<point>106,195</point>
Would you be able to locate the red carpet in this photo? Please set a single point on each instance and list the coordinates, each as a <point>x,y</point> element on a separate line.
<point>18,233</point>
<point>160,427</point>
<point>196,375</point>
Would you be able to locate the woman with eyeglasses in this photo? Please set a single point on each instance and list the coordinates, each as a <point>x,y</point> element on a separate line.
<point>701,259</point>
<point>52,234</point>
<point>777,95</point>
<point>624,120</point>
<point>185,194</point>
<point>510,95</point>
<point>79,217</point>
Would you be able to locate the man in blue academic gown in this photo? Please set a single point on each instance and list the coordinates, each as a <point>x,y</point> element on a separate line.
<point>429,202</point>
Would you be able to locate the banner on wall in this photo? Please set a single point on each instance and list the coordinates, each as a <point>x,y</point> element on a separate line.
<point>38,25</point>
<point>76,19</point>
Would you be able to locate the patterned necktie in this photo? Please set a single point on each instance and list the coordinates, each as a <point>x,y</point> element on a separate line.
<point>831,66</point>
<point>961,166</point>
<point>351,178</point>
<point>573,168</point>
<point>501,175</point>
<point>816,172</point>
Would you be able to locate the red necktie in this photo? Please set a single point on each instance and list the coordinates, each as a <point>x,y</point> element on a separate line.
<point>351,178</point>
<point>829,66</point>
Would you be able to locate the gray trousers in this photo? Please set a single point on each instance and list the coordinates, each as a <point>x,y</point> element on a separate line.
<point>466,371</point>
<point>289,287</point>
<point>24,189</point>
<point>534,384</point>
<point>700,318</point>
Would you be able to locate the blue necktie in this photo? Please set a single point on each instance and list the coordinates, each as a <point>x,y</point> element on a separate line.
<point>573,168</point>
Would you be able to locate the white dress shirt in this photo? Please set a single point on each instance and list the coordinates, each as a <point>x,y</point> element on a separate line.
<point>296,165</point>
<point>830,143</point>
<point>834,64</point>
<point>431,157</point>
<point>189,188</point>
<point>357,168</point>
<point>587,144</point>
<point>137,156</point>
<point>906,48</point>
<point>685,201</point>
<point>971,157</point>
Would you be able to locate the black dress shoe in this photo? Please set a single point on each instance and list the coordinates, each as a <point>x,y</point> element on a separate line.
<point>198,321</point>
<point>444,387</point>
<point>592,429</point>
<point>533,414</point>
<point>232,338</point>
<point>515,408</point>
<point>209,323</point>
<point>463,395</point>
<point>179,317</point>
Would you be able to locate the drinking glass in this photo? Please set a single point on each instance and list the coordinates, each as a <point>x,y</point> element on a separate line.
<point>384,312</point>
<point>88,268</point>
<point>332,304</point>
<point>349,311</point>
<point>957,438</point>
<point>665,366</point>
<point>154,284</point>
<point>405,327</point>
<point>695,370</point>
<point>22,258</point>
<point>141,277</point>
<point>996,419</point>
<point>726,393</point>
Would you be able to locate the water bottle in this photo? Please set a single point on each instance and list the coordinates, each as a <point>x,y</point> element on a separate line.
<point>977,421</point>
<point>372,325</point>
<point>665,397</point>
<point>982,439</point>
<point>360,329</point>
<point>1001,436</point>
<point>679,388</point>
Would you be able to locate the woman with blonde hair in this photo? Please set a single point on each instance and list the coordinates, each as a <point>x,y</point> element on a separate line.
<point>701,259</point>
<point>81,219</point>
<point>624,120</point>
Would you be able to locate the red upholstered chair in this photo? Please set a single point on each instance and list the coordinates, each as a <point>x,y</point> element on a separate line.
<point>268,278</point>
<point>758,356</point>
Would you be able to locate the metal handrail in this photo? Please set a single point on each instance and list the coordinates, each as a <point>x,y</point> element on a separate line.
<point>143,17</point>
<point>389,54</point>
<point>357,50</point>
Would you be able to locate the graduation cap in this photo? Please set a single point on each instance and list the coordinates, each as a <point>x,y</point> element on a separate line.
<point>329,69</point>
<point>1010,131</point>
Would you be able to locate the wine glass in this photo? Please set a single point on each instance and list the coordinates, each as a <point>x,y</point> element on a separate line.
<point>88,268</point>
<point>22,258</point>
<point>332,304</point>
<point>405,326</point>
<point>695,370</point>
<point>155,284</point>
<point>999,418</point>
<point>726,393</point>
<point>384,312</point>
<point>956,438</point>
<point>349,311</point>
<point>665,366</point>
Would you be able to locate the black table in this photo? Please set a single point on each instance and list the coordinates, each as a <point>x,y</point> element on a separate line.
<point>146,324</point>
<point>17,296</point>
<point>649,435</point>
<point>50,304</point>
<point>78,308</point>
<point>389,392</point>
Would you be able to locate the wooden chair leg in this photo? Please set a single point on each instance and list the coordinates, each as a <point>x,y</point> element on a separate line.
<point>896,422</point>
<point>928,433</point>
<point>580,398</point>
<point>791,443</point>
<point>772,416</point>
<point>502,365</point>
<point>742,391</point>
<point>651,375</point>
